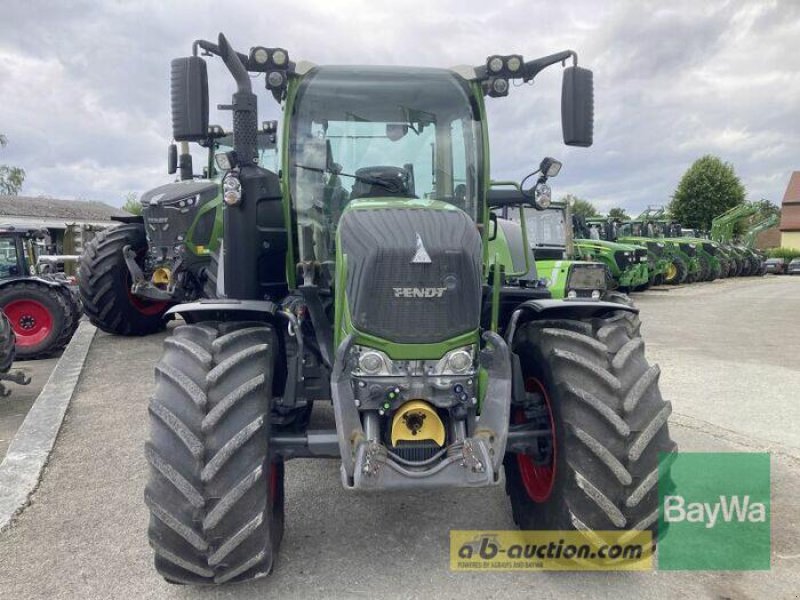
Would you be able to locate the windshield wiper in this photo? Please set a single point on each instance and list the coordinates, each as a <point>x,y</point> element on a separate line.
<point>387,184</point>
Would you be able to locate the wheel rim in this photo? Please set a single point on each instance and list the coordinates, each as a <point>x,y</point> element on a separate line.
<point>672,271</point>
<point>537,480</point>
<point>145,307</point>
<point>31,321</point>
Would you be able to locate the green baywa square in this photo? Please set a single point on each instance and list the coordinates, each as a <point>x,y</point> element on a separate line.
<point>715,510</point>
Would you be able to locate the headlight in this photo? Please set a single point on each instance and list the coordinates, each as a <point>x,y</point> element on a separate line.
<point>543,195</point>
<point>513,64</point>
<point>456,362</point>
<point>261,55</point>
<point>231,190</point>
<point>279,57</point>
<point>372,362</point>
<point>495,64</point>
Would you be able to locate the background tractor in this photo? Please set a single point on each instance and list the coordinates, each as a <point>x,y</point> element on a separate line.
<point>41,305</point>
<point>736,231</point>
<point>627,263</point>
<point>360,274</point>
<point>549,235</point>
<point>133,273</point>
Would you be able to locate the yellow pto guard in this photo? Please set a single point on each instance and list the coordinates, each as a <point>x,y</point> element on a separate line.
<point>416,421</point>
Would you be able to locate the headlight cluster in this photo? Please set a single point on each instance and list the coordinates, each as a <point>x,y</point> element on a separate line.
<point>456,362</point>
<point>374,363</point>
<point>231,190</point>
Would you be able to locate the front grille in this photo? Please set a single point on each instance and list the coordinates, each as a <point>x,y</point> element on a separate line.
<point>407,302</point>
<point>169,211</point>
<point>623,262</point>
<point>656,248</point>
<point>415,451</point>
<point>688,249</point>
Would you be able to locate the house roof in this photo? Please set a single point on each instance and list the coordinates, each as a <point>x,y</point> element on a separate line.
<point>52,209</point>
<point>790,208</point>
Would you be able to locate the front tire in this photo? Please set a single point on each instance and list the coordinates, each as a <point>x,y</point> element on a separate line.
<point>676,272</point>
<point>609,424</point>
<point>215,497</point>
<point>105,284</point>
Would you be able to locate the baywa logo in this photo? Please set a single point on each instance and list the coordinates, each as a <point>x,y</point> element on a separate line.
<point>714,511</point>
<point>419,292</point>
<point>728,508</point>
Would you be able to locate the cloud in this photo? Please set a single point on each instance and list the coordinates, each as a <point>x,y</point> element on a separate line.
<point>84,93</point>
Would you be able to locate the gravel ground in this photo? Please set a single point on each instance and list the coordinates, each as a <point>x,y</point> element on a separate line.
<point>731,367</point>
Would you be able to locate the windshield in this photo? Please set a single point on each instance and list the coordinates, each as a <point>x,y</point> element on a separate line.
<point>544,227</point>
<point>379,132</point>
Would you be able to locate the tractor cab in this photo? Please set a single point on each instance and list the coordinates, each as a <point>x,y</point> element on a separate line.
<point>378,138</point>
<point>20,249</point>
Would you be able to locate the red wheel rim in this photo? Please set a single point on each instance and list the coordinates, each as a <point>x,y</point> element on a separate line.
<point>537,479</point>
<point>31,320</point>
<point>146,307</point>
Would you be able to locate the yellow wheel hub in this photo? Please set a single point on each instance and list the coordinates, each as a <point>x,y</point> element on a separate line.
<point>672,272</point>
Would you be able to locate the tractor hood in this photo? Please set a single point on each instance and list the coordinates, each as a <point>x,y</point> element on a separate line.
<point>412,270</point>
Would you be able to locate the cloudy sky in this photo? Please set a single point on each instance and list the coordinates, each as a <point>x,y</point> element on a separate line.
<point>84,85</point>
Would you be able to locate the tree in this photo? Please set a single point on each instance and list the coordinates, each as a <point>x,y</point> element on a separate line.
<point>11,178</point>
<point>707,189</point>
<point>618,214</point>
<point>132,204</point>
<point>767,208</point>
<point>580,207</point>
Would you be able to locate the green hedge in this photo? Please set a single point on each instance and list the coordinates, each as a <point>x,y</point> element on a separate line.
<point>787,253</point>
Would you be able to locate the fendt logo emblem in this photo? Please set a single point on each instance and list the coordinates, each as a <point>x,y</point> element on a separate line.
<point>421,256</point>
<point>415,292</point>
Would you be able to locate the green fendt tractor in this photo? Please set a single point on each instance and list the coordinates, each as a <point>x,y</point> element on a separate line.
<point>360,275</point>
<point>594,240</point>
<point>550,237</point>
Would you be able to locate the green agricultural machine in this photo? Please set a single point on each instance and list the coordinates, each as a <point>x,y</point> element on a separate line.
<point>594,240</point>
<point>626,232</point>
<point>724,230</point>
<point>684,263</point>
<point>42,306</point>
<point>360,275</point>
<point>550,238</point>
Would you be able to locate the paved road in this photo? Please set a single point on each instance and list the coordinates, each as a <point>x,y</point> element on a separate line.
<point>14,407</point>
<point>84,534</point>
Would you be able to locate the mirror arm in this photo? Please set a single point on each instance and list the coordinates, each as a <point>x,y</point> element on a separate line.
<point>532,67</point>
<point>210,49</point>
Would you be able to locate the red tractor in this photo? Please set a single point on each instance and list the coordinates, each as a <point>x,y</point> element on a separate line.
<point>42,307</point>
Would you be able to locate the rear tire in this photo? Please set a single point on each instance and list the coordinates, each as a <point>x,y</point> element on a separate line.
<point>609,421</point>
<point>105,284</point>
<point>215,498</point>
<point>43,317</point>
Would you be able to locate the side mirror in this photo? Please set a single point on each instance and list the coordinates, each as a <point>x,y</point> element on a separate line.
<point>577,106</point>
<point>189,99</point>
<point>172,159</point>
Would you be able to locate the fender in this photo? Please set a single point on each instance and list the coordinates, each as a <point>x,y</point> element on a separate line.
<point>564,309</point>
<point>33,279</point>
<point>218,307</point>
<point>132,219</point>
